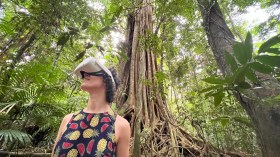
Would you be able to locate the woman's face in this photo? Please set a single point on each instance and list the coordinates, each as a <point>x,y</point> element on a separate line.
<point>92,83</point>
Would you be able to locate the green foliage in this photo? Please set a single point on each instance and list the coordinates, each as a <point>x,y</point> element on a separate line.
<point>224,120</point>
<point>14,136</point>
<point>39,91</point>
<point>36,87</point>
<point>243,4</point>
<point>31,97</point>
<point>214,80</point>
<point>160,76</point>
<point>272,61</point>
<point>243,51</point>
<point>6,27</point>
<point>244,69</point>
<point>231,61</point>
<point>218,97</point>
<point>262,68</point>
<point>266,46</point>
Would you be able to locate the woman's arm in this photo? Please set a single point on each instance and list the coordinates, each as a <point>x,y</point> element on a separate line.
<point>61,129</point>
<point>124,137</point>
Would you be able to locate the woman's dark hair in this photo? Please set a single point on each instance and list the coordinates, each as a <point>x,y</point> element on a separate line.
<point>110,89</point>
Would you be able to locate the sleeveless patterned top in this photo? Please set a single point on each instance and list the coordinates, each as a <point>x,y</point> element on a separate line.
<point>88,134</point>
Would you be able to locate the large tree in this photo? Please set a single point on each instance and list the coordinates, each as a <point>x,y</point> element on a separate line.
<point>143,104</point>
<point>155,132</point>
<point>265,118</point>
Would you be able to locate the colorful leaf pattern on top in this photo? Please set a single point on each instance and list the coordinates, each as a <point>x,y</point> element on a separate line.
<point>88,134</point>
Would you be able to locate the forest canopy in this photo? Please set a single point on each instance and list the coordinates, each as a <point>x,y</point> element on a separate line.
<point>208,84</point>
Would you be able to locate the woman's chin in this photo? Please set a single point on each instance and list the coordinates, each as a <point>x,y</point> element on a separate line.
<point>85,87</point>
<point>90,87</point>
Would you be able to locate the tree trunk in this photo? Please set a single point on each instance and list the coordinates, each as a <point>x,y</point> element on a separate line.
<point>265,117</point>
<point>154,130</point>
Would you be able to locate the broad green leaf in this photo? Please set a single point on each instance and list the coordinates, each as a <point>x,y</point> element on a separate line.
<point>63,39</point>
<point>117,11</point>
<point>270,42</point>
<point>239,74</point>
<point>273,61</point>
<point>242,120</point>
<point>218,97</point>
<point>229,79</point>
<point>249,46</point>
<point>261,67</point>
<point>210,88</point>
<point>244,85</point>
<point>214,80</point>
<point>273,50</point>
<point>240,52</point>
<point>210,93</point>
<point>231,61</point>
<point>214,92</point>
<point>251,75</point>
<point>224,121</point>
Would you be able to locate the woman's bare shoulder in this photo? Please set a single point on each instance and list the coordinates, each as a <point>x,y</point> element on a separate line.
<point>122,130</point>
<point>122,123</point>
<point>121,120</point>
<point>68,116</point>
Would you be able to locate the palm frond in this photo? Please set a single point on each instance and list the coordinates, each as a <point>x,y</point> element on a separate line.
<point>7,106</point>
<point>10,136</point>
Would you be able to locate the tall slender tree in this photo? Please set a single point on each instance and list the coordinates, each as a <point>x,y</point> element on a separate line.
<point>265,118</point>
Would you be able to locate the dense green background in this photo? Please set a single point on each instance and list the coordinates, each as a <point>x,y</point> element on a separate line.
<point>41,42</point>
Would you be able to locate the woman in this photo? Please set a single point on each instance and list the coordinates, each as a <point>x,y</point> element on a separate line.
<point>96,130</point>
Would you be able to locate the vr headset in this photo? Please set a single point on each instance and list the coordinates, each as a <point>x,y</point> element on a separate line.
<point>92,66</point>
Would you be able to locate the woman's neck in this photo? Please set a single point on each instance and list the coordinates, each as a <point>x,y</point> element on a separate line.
<point>97,103</point>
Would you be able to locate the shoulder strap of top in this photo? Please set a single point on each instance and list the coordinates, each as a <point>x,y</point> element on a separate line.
<point>74,115</point>
<point>71,119</point>
<point>77,112</point>
<point>112,113</point>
